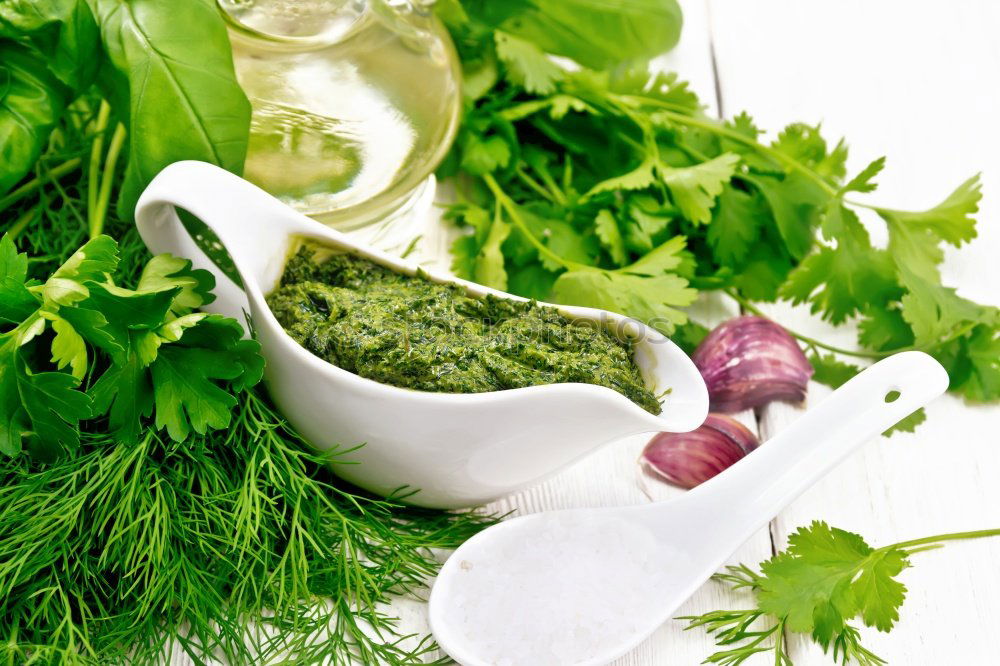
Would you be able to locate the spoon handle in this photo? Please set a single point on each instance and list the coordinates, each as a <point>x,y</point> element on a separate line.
<point>753,491</point>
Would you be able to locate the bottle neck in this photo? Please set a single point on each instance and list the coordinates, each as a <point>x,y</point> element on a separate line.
<point>302,23</point>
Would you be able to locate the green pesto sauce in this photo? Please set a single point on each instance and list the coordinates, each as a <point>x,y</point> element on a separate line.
<point>413,333</point>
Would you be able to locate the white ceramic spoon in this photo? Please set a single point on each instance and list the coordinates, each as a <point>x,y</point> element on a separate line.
<point>585,586</point>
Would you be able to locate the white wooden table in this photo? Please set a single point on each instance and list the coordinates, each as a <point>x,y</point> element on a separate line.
<point>918,81</point>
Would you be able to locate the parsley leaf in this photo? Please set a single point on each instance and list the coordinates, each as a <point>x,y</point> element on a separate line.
<point>186,376</point>
<point>114,351</point>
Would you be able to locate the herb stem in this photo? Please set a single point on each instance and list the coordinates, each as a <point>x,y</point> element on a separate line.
<point>22,222</point>
<point>752,309</point>
<point>35,183</point>
<point>107,179</point>
<point>534,184</point>
<point>779,648</point>
<point>508,204</point>
<point>953,536</point>
<point>94,166</point>
<point>859,353</point>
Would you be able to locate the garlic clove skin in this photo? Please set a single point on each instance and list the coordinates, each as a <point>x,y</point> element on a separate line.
<point>690,458</point>
<point>748,362</point>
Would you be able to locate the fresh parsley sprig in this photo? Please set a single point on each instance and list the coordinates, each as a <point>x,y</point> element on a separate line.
<point>824,580</point>
<point>79,347</point>
<point>613,189</point>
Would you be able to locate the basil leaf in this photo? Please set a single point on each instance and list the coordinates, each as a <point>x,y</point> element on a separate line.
<point>599,33</point>
<point>32,101</point>
<point>63,31</point>
<point>172,68</point>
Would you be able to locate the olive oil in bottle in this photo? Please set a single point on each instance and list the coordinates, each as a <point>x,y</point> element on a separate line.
<point>355,102</point>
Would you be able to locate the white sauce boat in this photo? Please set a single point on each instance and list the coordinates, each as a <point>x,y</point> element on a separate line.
<point>457,450</point>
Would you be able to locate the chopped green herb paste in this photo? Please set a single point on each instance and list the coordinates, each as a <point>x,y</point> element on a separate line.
<point>413,333</point>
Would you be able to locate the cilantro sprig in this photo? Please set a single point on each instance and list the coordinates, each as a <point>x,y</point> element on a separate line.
<point>614,189</point>
<point>79,347</point>
<point>826,579</point>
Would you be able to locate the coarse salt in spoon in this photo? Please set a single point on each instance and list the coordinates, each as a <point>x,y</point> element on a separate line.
<point>585,586</point>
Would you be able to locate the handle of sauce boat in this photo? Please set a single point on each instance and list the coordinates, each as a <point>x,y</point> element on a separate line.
<point>758,487</point>
<point>253,226</point>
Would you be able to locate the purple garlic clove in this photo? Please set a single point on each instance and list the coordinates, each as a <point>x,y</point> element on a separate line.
<point>688,458</point>
<point>751,361</point>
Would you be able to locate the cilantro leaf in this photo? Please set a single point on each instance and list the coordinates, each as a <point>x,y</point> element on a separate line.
<point>827,369</point>
<point>980,381</point>
<point>863,181</point>
<point>735,226</point>
<point>877,593</point>
<point>526,64</point>
<point>933,311</point>
<point>652,300</point>
<point>805,144</point>
<point>651,165</point>
<point>606,228</point>
<point>795,203</point>
<point>531,281</point>
<point>764,271</point>
<point>695,188</point>
<point>639,178</point>
<point>646,290</point>
<point>489,262</point>
<point>823,580</point>
<point>883,329</point>
<point>840,282</point>
<point>482,155</point>
<point>560,237</point>
<point>914,236</point>
<point>666,258</point>
<point>907,424</point>
<point>646,220</point>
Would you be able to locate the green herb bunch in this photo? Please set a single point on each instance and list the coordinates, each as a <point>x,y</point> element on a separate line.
<point>237,543</point>
<point>825,579</point>
<point>613,189</point>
